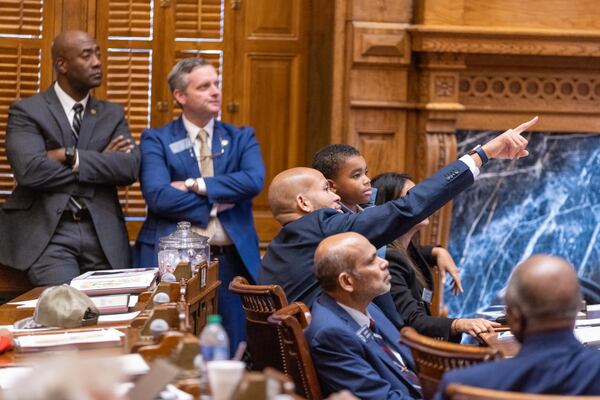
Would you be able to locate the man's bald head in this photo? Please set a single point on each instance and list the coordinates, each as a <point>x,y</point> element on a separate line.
<point>545,288</point>
<point>337,254</point>
<point>298,191</point>
<point>66,42</point>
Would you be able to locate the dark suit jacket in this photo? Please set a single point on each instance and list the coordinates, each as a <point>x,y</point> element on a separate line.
<point>550,362</point>
<point>346,359</point>
<point>30,215</point>
<point>288,261</point>
<point>239,176</point>
<point>407,292</point>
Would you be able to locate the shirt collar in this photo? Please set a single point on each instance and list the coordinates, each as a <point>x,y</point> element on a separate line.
<point>66,101</point>
<point>192,129</point>
<point>347,209</point>
<point>360,318</point>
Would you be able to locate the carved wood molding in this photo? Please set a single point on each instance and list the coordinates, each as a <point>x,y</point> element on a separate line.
<point>467,40</point>
<point>376,43</point>
<point>562,91</point>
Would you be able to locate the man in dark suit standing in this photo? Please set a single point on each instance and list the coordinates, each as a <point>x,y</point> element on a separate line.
<point>308,211</point>
<point>68,152</point>
<point>204,171</point>
<point>542,299</point>
<point>353,345</point>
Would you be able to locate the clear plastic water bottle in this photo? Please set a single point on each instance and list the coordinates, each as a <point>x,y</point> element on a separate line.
<point>214,343</point>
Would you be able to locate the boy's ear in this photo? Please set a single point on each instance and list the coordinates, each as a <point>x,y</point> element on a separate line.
<point>332,186</point>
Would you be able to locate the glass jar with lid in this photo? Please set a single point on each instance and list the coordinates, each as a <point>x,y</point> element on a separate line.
<point>182,245</point>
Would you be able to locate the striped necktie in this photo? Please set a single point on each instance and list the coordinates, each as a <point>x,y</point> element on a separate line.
<point>406,373</point>
<point>78,108</point>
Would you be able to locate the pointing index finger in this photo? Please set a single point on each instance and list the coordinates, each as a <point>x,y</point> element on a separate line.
<point>526,125</point>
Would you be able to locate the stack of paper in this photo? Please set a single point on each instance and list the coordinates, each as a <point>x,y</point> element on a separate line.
<point>60,341</point>
<point>115,281</point>
<point>589,336</point>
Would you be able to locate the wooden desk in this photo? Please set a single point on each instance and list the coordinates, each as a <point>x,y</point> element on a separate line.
<point>202,303</point>
<point>508,346</point>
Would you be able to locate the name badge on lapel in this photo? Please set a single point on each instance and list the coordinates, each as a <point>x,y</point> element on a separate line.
<point>364,333</point>
<point>427,296</point>
<point>180,145</point>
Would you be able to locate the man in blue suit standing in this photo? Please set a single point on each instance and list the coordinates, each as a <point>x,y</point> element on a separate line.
<point>353,345</point>
<point>542,298</point>
<point>204,171</point>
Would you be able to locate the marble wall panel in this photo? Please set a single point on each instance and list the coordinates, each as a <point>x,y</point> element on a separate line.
<point>548,202</point>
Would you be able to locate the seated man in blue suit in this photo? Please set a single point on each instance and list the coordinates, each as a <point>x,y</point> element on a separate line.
<point>542,299</point>
<point>353,345</point>
<point>204,171</point>
<point>301,201</point>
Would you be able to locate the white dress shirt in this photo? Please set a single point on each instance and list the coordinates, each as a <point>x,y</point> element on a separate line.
<point>67,103</point>
<point>220,237</point>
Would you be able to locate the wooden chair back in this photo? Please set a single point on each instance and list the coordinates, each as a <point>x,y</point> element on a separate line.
<point>464,392</point>
<point>259,302</point>
<point>437,307</point>
<point>435,357</point>
<point>290,322</point>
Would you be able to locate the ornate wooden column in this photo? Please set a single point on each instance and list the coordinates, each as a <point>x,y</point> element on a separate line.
<point>438,108</point>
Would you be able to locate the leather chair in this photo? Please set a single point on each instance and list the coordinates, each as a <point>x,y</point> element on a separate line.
<point>435,357</point>
<point>290,322</point>
<point>464,392</point>
<point>259,302</point>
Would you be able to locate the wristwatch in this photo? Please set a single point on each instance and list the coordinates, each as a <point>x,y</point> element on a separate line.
<point>189,184</point>
<point>479,151</point>
<point>70,155</point>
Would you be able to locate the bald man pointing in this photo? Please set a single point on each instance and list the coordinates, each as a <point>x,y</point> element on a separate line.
<point>68,152</point>
<point>542,299</point>
<point>308,211</point>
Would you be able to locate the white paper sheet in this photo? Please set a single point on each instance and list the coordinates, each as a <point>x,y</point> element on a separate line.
<point>118,317</point>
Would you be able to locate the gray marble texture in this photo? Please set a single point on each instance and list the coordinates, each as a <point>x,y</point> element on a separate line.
<point>548,202</point>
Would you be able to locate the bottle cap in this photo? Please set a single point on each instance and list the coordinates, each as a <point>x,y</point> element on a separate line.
<point>214,319</point>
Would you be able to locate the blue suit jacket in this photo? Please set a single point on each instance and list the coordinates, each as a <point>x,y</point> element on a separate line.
<point>551,362</point>
<point>346,359</point>
<point>288,261</point>
<point>239,176</point>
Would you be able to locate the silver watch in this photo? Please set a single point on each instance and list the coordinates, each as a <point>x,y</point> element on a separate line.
<point>189,184</point>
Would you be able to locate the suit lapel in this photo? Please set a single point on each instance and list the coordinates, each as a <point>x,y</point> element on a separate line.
<point>59,115</point>
<point>87,124</point>
<point>187,157</point>
<point>218,147</point>
<point>370,342</point>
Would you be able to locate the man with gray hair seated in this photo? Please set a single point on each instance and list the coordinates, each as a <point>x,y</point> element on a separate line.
<point>542,298</point>
<point>353,344</point>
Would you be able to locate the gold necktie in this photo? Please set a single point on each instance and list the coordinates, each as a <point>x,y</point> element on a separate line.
<point>206,162</point>
<point>206,170</point>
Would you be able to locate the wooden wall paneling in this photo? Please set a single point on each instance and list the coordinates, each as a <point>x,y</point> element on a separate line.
<point>374,96</point>
<point>73,14</point>
<point>270,86</point>
<point>381,10</point>
<point>379,135</point>
<point>320,77</point>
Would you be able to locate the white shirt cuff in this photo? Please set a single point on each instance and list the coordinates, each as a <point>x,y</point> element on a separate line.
<point>213,212</point>
<point>467,159</point>
<point>201,187</point>
<point>76,165</point>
